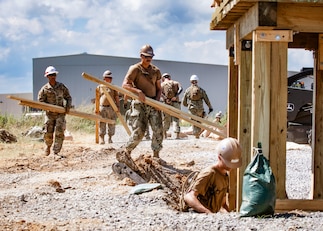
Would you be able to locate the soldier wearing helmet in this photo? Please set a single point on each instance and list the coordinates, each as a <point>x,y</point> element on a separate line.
<point>55,93</point>
<point>105,109</point>
<point>170,95</point>
<point>143,79</point>
<point>208,192</point>
<point>193,99</point>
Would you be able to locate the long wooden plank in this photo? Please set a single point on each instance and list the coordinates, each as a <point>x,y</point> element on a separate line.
<point>293,204</point>
<point>97,108</point>
<point>115,108</point>
<point>58,109</point>
<point>195,120</point>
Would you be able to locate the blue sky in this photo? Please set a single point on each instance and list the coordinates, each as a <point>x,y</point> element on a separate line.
<point>177,30</point>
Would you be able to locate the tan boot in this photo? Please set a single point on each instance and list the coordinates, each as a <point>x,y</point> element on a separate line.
<point>102,139</point>
<point>47,151</point>
<point>156,154</point>
<point>177,135</point>
<point>110,140</point>
<point>165,135</point>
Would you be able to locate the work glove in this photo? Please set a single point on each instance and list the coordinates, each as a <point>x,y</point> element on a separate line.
<point>210,110</point>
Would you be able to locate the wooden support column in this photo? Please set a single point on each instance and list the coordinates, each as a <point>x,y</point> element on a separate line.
<point>244,120</point>
<point>278,115</point>
<point>232,124</point>
<point>260,116</point>
<point>317,139</point>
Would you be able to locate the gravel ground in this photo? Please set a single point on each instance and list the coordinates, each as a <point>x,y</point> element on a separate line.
<point>82,193</point>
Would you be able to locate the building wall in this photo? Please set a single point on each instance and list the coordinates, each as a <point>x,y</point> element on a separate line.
<point>213,78</point>
<point>11,107</point>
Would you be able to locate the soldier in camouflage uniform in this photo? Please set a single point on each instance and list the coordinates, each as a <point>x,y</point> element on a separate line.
<point>105,110</point>
<point>193,99</point>
<point>143,79</point>
<point>57,94</point>
<point>170,95</point>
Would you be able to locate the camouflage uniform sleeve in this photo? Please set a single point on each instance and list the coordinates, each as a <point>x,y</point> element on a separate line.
<point>185,98</point>
<point>41,95</point>
<point>206,99</point>
<point>67,97</point>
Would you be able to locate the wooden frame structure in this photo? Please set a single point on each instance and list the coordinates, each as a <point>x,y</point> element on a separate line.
<point>258,35</point>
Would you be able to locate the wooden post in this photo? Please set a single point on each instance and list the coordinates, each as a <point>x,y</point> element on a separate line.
<point>317,134</point>
<point>260,118</point>
<point>244,120</point>
<point>232,124</point>
<point>97,109</point>
<point>278,115</point>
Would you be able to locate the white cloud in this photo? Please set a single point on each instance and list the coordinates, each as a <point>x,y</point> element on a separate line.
<point>177,30</point>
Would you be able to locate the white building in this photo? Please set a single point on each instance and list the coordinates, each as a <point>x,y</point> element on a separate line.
<point>213,78</point>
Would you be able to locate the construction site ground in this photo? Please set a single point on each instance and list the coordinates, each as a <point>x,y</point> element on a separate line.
<point>81,192</point>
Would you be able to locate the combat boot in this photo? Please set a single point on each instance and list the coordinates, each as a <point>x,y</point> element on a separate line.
<point>102,139</point>
<point>110,140</point>
<point>156,154</point>
<point>165,135</point>
<point>47,151</point>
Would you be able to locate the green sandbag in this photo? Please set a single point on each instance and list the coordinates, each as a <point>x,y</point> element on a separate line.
<point>259,188</point>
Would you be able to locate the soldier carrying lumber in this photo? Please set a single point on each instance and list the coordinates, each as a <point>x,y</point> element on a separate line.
<point>54,93</point>
<point>105,109</point>
<point>170,95</point>
<point>143,79</point>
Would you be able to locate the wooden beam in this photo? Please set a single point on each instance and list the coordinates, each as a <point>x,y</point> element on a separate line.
<point>278,115</point>
<point>58,109</point>
<point>232,124</point>
<point>320,53</point>
<point>300,17</point>
<point>298,204</point>
<point>317,131</point>
<point>97,109</point>
<point>195,120</point>
<point>244,117</point>
<point>261,95</point>
<point>273,36</point>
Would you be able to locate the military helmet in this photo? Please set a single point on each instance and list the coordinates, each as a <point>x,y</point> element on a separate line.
<point>147,50</point>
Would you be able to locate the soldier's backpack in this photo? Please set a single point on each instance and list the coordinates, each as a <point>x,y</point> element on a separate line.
<point>196,93</point>
<point>169,90</point>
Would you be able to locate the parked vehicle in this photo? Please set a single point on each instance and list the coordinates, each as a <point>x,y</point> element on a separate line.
<point>299,107</point>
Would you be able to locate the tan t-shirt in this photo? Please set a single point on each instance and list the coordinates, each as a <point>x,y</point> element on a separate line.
<point>144,79</point>
<point>212,187</point>
<point>103,99</point>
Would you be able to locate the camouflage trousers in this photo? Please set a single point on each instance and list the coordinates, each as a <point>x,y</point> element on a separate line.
<point>54,123</point>
<point>167,119</point>
<point>197,112</point>
<point>140,117</point>
<point>108,113</point>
